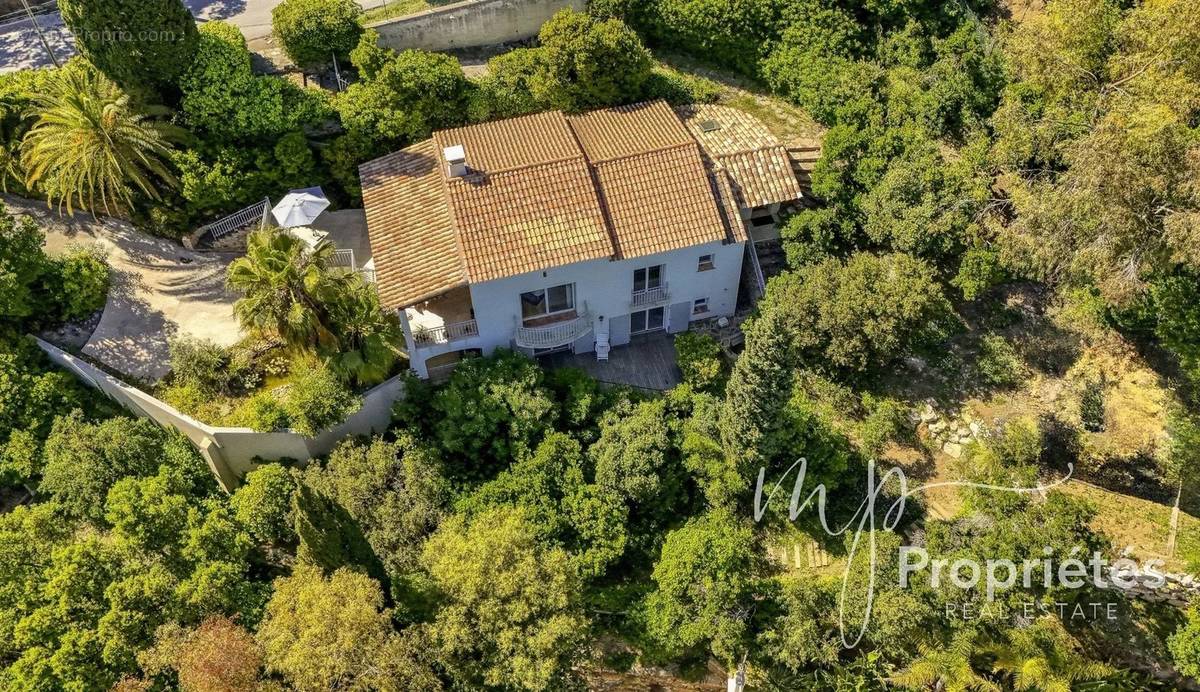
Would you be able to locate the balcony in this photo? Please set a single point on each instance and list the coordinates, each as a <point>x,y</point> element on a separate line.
<point>555,334</point>
<point>444,334</point>
<point>649,297</point>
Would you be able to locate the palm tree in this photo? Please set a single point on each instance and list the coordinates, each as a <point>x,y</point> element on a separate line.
<point>91,146</point>
<point>288,290</point>
<point>1045,657</point>
<point>946,669</point>
<point>369,337</point>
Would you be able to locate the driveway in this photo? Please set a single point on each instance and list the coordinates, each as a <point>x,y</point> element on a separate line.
<point>20,46</point>
<point>160,290</point>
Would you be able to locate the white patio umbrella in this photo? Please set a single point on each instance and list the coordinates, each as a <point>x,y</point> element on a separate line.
<point>300,207</point>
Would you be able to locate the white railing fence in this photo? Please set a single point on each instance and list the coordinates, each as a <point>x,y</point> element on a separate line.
<point>650,296</point>
<point>255,214</point>
<point>343,259</point>
<point>554,335</point>
<point>760,281</point>
<point>446,333</point>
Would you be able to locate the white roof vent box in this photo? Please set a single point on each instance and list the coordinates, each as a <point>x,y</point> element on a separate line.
<point>456,160</point>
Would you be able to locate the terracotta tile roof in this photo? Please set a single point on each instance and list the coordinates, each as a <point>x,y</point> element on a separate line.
<point>502,145</point>
<point>548,190</point>
<point>405,203</point>
<point>757,163</point>
<point>761,177</point>
<point>659,201</point>
<point>639,128</point>
<point>734,225</point>
<point>525,219</point>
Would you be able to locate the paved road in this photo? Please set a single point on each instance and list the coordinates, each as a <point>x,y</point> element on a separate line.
<point>20,47</point>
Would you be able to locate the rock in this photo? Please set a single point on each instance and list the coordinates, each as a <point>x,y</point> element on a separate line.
<point>975,428</point>
<point>953,449</point>
<point>964,432</point>
<point>937,426</point>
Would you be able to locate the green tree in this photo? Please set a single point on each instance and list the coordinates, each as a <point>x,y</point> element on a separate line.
<point>136,43</point>
<point>511,612</point>
<point>550,487</point>
<point>947,668</point>
<point>263,504</point>
<point>848,317</point>
<point>414,93</point>
<point>329,537</point>
<point>705,588</point>
<point>759,387</point>
<point>84,460</point>
<point>586,63</point>
<point>393,490</point>
<point>22,265</point>
<point>313,32</point>
<point>287,289</point>
<point>321,633</point>
<point>224,100</point>
<point>93,146</point>
<point>492,410</point>
<point>369,337</point>
<point>1044,656</point>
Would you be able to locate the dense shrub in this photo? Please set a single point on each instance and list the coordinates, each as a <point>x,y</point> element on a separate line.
<point>317,399</point>
<point>679,88</point>
<point>999,365</point>
<point>726,32</point>
<point>850,316</point>
<point>414,93</point>
<point>507,89</point>
<point>79,281</point>
<point>700,360</point>
<point>1091,405</point>
<point>225,100</point>
<point>22,267</point>
<point>314,31</point>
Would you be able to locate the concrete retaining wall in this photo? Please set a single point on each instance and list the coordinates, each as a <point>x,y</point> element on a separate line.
<point>232,452</point>
<point>469,24</point>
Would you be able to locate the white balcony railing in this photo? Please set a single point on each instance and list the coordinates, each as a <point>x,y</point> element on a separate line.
<point>432,336</point>
<point>649,296</point>
<point>554,335</point>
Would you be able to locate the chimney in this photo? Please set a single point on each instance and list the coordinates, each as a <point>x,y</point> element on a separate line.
<point>456,160</point>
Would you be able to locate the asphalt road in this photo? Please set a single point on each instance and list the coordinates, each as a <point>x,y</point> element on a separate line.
<point>20,46</point>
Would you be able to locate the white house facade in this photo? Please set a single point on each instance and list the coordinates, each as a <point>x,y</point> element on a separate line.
<point>551,232</point>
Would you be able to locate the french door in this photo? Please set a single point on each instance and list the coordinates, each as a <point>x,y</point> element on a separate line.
<point>647,320</point>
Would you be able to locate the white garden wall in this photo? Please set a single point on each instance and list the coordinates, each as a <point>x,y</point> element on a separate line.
<point>232,452</point>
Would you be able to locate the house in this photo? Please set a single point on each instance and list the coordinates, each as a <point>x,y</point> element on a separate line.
<point>550,231</point>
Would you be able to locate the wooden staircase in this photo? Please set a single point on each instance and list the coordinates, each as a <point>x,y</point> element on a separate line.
<point>803,154</point>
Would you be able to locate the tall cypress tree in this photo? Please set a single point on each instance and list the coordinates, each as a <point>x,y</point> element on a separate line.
<point>136,43</point>
<point>758,391</point>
